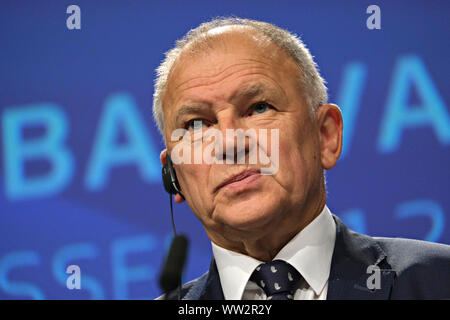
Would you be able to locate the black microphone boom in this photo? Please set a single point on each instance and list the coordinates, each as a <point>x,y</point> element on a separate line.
<point>170,277</point>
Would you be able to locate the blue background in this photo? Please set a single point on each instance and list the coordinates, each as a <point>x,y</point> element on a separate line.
<point>79,157</point>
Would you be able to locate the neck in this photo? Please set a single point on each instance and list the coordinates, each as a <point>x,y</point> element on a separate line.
<point>265,243</point>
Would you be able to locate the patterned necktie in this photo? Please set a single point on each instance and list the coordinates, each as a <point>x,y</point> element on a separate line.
<point>277,278</point>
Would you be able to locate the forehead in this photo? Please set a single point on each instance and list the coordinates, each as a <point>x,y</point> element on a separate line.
<point>224,51</point>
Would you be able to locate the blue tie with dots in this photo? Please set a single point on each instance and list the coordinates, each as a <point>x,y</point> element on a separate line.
<point>277,278</point>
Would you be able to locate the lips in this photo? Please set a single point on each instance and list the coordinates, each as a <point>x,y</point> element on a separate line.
<point>237,177</point>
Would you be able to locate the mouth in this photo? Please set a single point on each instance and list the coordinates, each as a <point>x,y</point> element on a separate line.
<point>240,179</point>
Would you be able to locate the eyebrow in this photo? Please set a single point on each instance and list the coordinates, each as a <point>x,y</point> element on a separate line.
<point>246,92</point>
<point>187,109</point>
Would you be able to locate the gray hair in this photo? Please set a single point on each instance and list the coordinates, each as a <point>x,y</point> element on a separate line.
<point>315,91</point>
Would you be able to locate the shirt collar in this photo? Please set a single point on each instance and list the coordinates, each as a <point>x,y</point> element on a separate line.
<point>310,252</point>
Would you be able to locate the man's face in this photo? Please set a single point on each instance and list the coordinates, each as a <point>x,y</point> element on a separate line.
<point>239,84</point>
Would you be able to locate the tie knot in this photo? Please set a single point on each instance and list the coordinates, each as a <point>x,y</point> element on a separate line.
<point>277,278</point>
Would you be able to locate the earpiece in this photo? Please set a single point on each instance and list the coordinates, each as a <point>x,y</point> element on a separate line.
<point>171,276</point>
<point>170,178</point>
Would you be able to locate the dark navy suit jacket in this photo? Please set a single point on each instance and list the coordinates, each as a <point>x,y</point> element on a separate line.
<point>409,269</point>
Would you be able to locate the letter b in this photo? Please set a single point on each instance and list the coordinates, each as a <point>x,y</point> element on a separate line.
<point>49,146</point>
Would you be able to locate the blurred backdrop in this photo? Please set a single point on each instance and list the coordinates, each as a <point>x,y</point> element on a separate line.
<point>79,157</point>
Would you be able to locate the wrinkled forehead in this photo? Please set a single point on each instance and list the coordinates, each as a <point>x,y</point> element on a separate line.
<point>243,42</point>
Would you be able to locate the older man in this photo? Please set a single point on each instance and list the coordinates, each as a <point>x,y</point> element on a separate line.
<point>273,237</point>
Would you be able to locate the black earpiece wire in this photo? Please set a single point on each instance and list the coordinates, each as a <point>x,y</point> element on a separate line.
<point>174,234</point>
<point>171,216</point>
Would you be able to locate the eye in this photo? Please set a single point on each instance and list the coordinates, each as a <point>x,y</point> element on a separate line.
<point>260,107</point>
<point>194,124</point>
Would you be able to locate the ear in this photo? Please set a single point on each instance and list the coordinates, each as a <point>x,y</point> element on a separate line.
<point>329,120</point>
<point>162,156</point>
<point>178,198</point>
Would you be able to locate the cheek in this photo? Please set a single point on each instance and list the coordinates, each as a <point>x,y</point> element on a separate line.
<point>292,172</point>
<point>298,165</point>
<point>193,180</point>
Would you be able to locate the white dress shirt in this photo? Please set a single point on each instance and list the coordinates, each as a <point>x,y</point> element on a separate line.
<point>310,252</point>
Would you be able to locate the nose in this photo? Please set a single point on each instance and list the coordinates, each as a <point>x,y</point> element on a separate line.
<point>237,140</point>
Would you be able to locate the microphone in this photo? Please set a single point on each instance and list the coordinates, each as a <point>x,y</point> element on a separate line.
<point>171,274</point>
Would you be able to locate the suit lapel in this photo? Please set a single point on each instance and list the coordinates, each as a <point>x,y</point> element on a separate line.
<point>353,254</point>
<point>349,277</point>
<point>207,287</point>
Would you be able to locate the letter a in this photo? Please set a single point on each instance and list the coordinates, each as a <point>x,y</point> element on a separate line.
<point>74,280</point>
<point>374,21</point>
<point>74,20</point>
<point>373,282</point>
<point>400,115</point>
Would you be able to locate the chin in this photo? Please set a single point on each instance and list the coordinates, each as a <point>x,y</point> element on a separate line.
<point>250,214</point>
